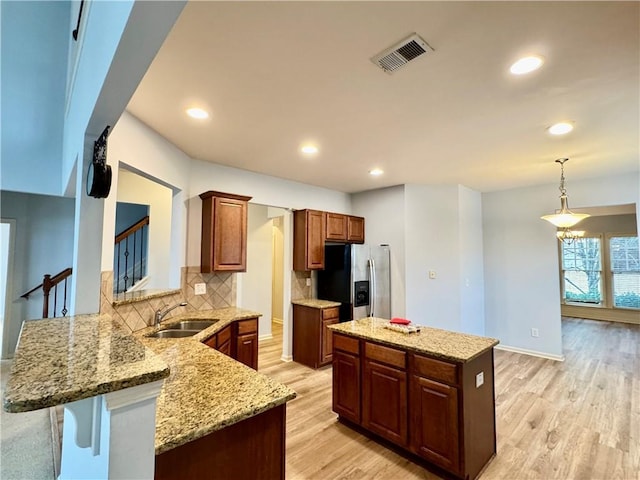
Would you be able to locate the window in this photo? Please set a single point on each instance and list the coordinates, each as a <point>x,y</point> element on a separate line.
<point>598,273</point>
<point>582,269</point>
<point>625,271</point>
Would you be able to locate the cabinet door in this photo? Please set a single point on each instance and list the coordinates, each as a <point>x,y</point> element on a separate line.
<point>346,385</point>
<point>308,240</point>
<point>336,227</point>
<point>230,235</point>
<point>434,422</point>
<point>326,353</point>
<point>384,401</point>
<point>247,350</point>
<point>355,229</point>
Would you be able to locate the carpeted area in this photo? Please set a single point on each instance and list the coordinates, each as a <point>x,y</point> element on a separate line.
<point>26,451</point>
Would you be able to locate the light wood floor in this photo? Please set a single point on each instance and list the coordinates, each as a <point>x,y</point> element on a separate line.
<point>577,419</point>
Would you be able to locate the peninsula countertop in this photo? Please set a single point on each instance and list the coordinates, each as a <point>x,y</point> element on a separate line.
<point>206,390</point>
<point>457,347</point>
<point>61,360</point>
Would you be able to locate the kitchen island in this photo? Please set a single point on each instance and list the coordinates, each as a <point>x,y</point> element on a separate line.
<point>429,394</point>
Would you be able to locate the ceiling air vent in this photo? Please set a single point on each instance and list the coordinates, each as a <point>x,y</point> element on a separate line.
<point>402,53</point>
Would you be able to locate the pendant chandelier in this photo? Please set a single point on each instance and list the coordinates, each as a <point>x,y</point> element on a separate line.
<point>565,218</point>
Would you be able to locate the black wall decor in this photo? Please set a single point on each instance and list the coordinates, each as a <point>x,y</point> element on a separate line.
<point>99,173</point>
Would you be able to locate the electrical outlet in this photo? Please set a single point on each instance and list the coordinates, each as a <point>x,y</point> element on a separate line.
<point>308,282</point>
<point>479,379</point>
<point>432,274</point>
<point>534,332</point>
<point>200,288</point>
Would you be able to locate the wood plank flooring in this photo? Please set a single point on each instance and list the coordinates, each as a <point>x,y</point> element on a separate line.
<point>577,419</point>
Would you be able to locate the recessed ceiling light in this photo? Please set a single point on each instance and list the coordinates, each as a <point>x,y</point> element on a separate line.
<point>309,149</point>
<point>376,172</point>
<point>560,128</point>
<point>197,113</point>
<point>526,65</point>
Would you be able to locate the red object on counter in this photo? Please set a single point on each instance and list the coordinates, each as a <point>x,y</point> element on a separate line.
<point>400,321</point>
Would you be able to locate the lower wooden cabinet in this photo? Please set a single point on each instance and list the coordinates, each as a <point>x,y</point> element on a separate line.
<point>239,341</point>
<point>438,410</point>
<point>434,417</point>
<point>346,378</point>
<point>384,398</point>
<point>312,339</point>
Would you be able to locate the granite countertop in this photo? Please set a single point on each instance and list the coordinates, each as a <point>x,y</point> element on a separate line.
<point>61,360</point>
<point>315,303</point>
<point>206,390</point>
<point>457,347</point>
<point>138,295</point>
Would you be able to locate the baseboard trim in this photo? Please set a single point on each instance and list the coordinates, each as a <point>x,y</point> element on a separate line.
<point>533,353</point>
<point>286,358</point>
<point>266,336</point>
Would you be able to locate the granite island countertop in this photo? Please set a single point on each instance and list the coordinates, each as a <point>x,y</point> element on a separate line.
<point>61,360</point>
<point>315,303</point>
<point>453,346</point>
<point>206,390</point>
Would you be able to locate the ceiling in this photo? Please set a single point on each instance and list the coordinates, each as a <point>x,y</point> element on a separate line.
<point>274,75</point>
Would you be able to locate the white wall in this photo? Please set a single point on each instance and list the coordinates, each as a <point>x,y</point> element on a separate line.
<point>255,285</point>
<point>35,37</point>
<point>432,243</point>
<point>471,275</point>
<point>384,213</point>
<point>521,257</point>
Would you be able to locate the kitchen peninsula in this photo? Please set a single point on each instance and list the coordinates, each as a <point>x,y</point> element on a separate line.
<point>211,411</point>
<point>429,393</point>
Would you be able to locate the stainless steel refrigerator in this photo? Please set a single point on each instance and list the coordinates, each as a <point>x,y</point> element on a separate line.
<point>357,276</point>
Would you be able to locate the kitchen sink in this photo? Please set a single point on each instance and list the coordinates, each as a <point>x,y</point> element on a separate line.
<point>173,333</point>
<point>194,324</point>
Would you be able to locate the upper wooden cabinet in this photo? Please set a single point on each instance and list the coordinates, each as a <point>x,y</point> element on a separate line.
<point>343,228</point>
<point>308,240</point>
<point>355,229</point>
<point>224,232</point>
<point>335,227</point>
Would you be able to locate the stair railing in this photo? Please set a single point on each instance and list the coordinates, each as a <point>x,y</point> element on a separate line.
<point>135,235</point>
<point>51,283</point>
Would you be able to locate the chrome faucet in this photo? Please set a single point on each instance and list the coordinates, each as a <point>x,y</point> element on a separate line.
<point>160,313</point>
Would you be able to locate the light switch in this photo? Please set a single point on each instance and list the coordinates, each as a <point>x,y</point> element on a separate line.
<point>479,379</point>
<point>200,288</point>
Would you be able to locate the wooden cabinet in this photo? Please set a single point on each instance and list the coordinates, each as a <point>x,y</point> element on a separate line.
<point>346,377</point>
<point>335,227</point>
<point>434,416</point>
<point>239,341</point>
<point>224,232</point>
<point>308,240</point>
<point>384,397</point>
<point>312,345</point>
<point>355,229</point>
<point>441,411</point>
<point>247,343</point>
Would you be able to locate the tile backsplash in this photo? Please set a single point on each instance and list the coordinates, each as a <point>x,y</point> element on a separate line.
<point>299,288</point>
<point>220,293</point>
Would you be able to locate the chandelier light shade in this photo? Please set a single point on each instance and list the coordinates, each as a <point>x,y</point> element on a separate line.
<point>565,218</point>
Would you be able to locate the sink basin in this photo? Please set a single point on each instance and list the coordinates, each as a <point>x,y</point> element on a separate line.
<point>194,324</point>
<point>173,333</point>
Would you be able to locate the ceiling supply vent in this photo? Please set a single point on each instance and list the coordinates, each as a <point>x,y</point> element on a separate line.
<point>402,53</point>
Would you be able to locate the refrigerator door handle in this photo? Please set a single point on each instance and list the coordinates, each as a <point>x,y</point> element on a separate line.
<point>372,293</point>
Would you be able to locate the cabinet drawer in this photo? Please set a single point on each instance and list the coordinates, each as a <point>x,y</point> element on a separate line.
<point>333,312</point>
<point>224,335</point>
<point>248,326</point>
<point>436,369</point>
<point>347,344</point>
<point>387,355</point>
